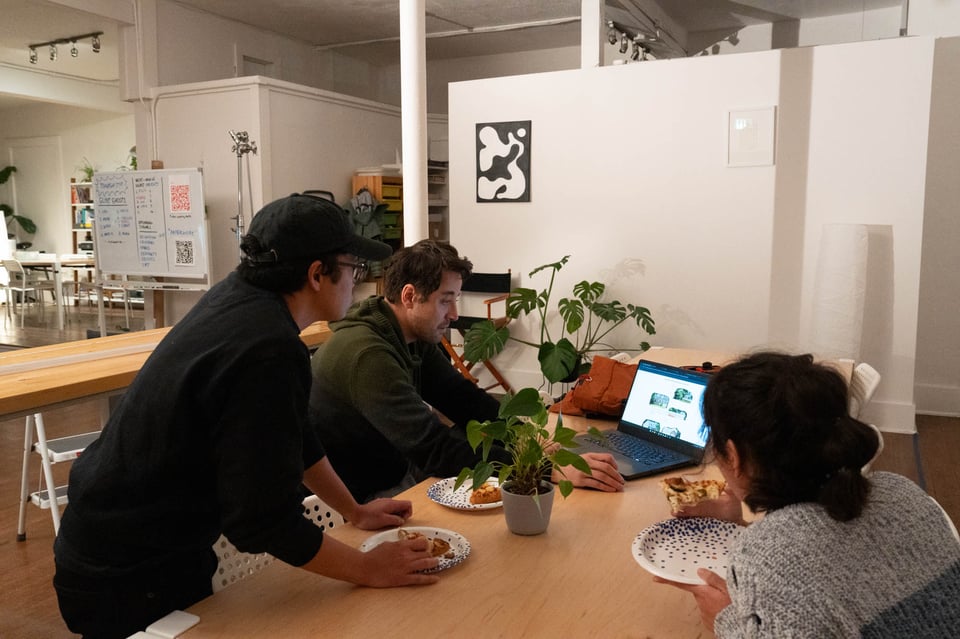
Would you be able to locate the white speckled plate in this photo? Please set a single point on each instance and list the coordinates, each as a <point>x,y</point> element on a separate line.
<point>458,543</point>
<point>443,493</point>
<point>675,548</point>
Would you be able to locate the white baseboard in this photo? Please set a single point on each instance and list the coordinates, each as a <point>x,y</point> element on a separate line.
<point>937,399</point>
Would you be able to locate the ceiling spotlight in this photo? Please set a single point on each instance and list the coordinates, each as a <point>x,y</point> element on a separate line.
<point>612,35</point>
<point>624,43</point>
<point>93,36</point>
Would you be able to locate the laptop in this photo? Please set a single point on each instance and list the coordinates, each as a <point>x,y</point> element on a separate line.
<point>662,424</point>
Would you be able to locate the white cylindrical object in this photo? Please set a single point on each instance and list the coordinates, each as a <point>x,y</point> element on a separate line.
<point>413,115</point>
<point>839,291</point>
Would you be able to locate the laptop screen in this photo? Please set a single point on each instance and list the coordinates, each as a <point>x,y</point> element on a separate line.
<point>667,401</point>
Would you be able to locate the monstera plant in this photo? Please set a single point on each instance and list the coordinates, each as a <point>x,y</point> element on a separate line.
<point>25,223</point>
<point>587,320</point>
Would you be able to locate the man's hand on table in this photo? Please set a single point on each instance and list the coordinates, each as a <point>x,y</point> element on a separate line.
<point>381,513</point>
<point>398,563</point>
<point>605,475</point>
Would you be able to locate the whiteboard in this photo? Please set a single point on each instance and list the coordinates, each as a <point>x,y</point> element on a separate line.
<point>150,223</point>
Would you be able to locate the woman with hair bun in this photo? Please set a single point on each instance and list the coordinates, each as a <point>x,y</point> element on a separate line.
<point>836,553</point>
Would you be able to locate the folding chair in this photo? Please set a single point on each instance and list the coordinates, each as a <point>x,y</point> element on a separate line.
<point>24,283</point>
<point>498,283</point>
<point>234,565</point>
<point>863,384</point>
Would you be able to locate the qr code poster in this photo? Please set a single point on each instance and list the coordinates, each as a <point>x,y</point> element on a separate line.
<point>503,161</point>
<point>184,252</point>
<point>153,225</point>
<point>180,194</point>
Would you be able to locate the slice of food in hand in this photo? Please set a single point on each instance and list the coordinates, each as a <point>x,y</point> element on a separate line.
<point>682,493</point>
<point>486,494</point>
<point>438,547</point>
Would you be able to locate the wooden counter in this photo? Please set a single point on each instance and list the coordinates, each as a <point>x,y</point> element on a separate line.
<point>32,379</point>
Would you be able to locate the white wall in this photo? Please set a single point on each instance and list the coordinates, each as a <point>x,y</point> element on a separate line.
<point>631,161</point>
<point>938,347</point>
<point>869,119</point>
<point>103,138</point>
<point>306,138</point>
<point>195,46</point>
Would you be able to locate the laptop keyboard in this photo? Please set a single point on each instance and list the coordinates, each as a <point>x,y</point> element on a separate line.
<point>637,449</point>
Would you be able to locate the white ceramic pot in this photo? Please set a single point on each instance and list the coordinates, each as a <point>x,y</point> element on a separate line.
<point>525,514</point>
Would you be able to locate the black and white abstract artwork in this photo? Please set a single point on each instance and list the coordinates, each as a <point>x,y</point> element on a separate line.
<point>503,161</point>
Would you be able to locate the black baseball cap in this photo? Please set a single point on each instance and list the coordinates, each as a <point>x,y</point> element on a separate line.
<point>305,227</point>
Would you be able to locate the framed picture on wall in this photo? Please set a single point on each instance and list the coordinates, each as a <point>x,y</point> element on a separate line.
<point>503,161</point>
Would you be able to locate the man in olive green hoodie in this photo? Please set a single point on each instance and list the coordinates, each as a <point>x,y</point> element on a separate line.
<point>380,379</point>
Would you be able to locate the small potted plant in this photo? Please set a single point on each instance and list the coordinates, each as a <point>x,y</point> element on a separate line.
<point>586,322</point>
<point>534,450</point>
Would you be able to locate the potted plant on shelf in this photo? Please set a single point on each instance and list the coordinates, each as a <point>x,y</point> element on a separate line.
<point>86,170</point>
<point>534,451</point>
<point>586,323</point>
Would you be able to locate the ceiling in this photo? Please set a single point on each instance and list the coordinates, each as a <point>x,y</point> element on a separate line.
<point>369,29</point>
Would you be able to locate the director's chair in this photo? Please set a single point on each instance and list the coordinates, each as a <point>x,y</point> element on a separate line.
<point>499,284</point>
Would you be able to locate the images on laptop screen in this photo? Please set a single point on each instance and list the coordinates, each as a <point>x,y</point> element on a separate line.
<point>668,402</point>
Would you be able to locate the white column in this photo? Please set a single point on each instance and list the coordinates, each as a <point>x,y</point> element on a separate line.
<point>591,33</point>
<point>413,113</point>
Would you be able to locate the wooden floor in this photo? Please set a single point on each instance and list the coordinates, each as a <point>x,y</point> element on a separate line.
<point>77,319</point>
<point>28,606</point>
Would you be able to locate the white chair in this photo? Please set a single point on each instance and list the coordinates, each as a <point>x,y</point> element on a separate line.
<point>953,528</point>
<point>52,451</point>
<point>866,468</point>
<point>23,282</point>
<point>863,384</point>
<point>111,293</point>
<point>234,565</point>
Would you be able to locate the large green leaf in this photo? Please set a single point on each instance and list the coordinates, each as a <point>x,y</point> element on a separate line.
<point>484,340</point>
<point>558,360</point>
<point>8,170</point>
<point>526,403</point>
<point>572,313</point>
<point>556,266</point>
<point>642,316</point>
<point>564,457</point>
<point>522,301</point>
<point>588,291</point>
<point>26,223</point>
<point>609,311</point>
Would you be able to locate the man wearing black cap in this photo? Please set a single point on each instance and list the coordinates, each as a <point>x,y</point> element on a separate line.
<point>212,437</point>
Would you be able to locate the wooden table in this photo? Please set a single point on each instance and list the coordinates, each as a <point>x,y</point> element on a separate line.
<point>579,579</point>
<point>34,379</point>
<point>57,264</point>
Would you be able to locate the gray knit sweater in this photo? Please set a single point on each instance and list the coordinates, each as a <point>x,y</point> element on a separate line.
<point>892,572</point>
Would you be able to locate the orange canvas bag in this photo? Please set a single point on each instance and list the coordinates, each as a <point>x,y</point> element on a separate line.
<point>602,391</point>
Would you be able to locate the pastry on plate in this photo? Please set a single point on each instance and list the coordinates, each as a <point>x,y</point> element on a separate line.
<point>486,494</point>
<point>682,493</point>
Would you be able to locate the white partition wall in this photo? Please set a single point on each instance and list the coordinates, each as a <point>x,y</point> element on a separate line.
<point>306,138</point>
<point>629,164</point>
